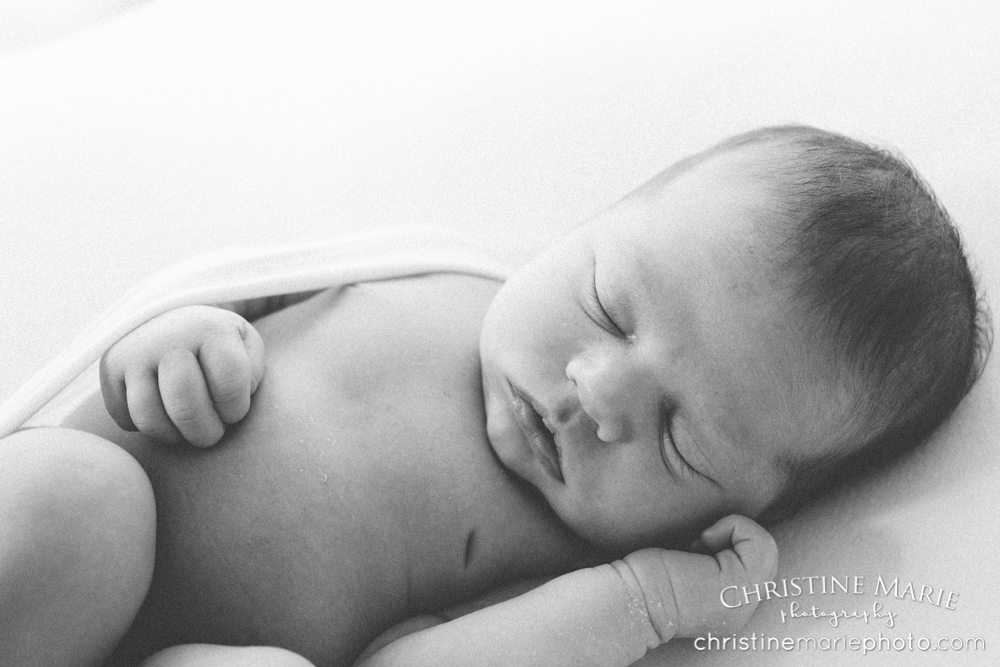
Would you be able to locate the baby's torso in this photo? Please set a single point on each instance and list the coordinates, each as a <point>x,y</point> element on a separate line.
<point>359,491</point>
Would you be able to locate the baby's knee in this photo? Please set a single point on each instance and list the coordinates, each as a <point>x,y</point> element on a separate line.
<point>77,538</point>
<point>68,486</point>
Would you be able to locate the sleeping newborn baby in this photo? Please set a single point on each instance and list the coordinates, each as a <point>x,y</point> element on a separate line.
<point>557,470</point>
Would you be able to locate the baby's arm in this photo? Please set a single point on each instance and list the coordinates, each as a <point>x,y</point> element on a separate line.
<point>183,375</point>
<point>603,616</point>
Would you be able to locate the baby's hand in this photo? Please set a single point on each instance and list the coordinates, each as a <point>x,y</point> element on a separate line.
<point>682,591</point>
<point>183,375</point>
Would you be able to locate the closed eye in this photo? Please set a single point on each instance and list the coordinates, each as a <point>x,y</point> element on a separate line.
<point>672,457</point>
<point>600,313</point>
<point>670,452</point>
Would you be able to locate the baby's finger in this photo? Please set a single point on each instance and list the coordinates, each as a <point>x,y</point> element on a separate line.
<point>145,408</point>
<point>186,399</point>
<point>115,398</point>
<point>254,345</point>
<point>226,366</point>
<point>730,531</point>
<point>753,545</point>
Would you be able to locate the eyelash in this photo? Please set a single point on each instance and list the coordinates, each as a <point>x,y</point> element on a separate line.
<point>608,323</point>
<point>666,436</point>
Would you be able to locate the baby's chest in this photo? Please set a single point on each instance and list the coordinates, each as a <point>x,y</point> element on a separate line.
<point>379,389</point>
<point>371,409</point>
<point>359,490</point>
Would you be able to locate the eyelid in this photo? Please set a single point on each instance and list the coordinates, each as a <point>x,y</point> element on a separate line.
<point>595,299</point>
<point>667,440</point>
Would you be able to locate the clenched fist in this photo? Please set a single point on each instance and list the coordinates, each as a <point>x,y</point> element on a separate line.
<point>183,375</point>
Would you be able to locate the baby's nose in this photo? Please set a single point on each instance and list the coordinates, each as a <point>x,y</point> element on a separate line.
<point>600,388</point>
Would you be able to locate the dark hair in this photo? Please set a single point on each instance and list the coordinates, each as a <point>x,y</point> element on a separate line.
<point>878,265</point>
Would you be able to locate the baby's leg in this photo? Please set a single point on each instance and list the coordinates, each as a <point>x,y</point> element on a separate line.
<point>77,533</point>
<point>207,655</point>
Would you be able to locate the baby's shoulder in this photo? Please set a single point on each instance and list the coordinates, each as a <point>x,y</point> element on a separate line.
<point>433,306</point>
<point>409,325</point>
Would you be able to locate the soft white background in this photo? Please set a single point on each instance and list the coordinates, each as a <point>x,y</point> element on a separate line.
<point>136,134</point>
<point>185,125</point>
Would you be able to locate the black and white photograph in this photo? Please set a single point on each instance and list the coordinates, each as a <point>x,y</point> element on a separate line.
<point>525,334</point>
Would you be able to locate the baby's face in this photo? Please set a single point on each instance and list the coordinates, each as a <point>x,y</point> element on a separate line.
<point>647,373</point>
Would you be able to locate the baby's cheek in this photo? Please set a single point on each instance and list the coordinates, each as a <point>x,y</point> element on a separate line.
<point>760,492</point>
<point>610,526</point>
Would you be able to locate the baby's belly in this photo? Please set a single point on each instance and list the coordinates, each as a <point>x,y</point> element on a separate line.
<point>298,528</point>
<point>269,539</point>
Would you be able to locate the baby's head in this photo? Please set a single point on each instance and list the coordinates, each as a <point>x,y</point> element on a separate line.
<point>760,321</point>
<point>876,270</point>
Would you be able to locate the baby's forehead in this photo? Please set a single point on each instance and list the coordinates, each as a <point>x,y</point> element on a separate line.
<point>715,220</point>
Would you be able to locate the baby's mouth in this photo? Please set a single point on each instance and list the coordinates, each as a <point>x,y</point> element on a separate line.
<point>541,439</point>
